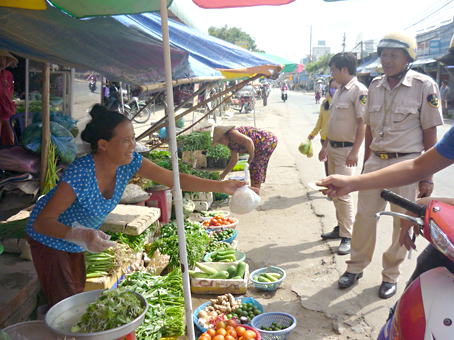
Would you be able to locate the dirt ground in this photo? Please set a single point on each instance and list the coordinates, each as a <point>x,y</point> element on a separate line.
<point>285,232</point>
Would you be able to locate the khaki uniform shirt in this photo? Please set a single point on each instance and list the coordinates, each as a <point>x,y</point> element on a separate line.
<point>349,104</point>
<point>412,106</point>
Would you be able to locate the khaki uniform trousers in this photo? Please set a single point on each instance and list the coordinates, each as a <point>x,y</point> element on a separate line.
<point>365,226</point>
<point>337,157</point>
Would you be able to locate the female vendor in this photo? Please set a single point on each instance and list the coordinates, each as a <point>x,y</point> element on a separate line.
<point>64,223</point>
<point>259,144</point>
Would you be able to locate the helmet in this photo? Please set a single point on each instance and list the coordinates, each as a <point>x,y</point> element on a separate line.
<point>398,40</point>
<point>448,59</point>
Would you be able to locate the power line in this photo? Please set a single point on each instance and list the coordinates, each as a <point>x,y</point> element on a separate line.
<point>430,14</point>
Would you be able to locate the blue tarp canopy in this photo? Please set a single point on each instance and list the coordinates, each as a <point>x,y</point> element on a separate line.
<point>208,50</point>
<point>101,44</point>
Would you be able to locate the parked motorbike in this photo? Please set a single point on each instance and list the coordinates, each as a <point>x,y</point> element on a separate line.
<point>247,103</point>
<point>425,309</point>
<point>135,106</point>
<point>284,95</point>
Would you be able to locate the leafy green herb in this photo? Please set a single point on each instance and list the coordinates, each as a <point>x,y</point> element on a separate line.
<point>165,314</point>
<point>114,308</point>
<point>218,152</point>
<point>197,140</point>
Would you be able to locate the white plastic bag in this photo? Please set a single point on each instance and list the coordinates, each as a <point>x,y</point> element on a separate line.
<point>244,200</point>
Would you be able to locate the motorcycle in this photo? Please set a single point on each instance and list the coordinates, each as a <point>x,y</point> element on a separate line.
<point>138,106</point>
<point>92,84</point>
<point>284,95</point>
<point>247,103</point>
<point>425,309</point>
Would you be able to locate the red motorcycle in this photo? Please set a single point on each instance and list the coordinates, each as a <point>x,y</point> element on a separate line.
<point>425,309</point>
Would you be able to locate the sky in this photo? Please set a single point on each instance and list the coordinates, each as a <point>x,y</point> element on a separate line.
<point>285,31</point>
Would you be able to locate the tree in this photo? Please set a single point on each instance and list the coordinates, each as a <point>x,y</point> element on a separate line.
<point>319,66</point>
<point>233,35</point>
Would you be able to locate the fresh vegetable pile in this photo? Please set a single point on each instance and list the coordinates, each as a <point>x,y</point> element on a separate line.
<point>136,243</point>
<point>221,234</point>
<point>232,272</point>
<point>217,245</point>
<point>218,152</point>
<point>267,277</point>
<point>13,229</point>
<point>212,213</point>
<point>276,327</point>
<point>111,259</point>
<point>245,313</point>
<point>167,243</point>
<point>225,255</point>
<point>114,308</point>
<point>229,330</point>
<point>165,314</point>
<point>218,221</point>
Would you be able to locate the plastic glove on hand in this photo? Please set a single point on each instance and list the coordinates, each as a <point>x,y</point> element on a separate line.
<point>92,240</point>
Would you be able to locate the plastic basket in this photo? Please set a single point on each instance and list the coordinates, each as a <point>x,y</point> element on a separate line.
<point>268,286</point>
<point>266,319</point>
<point>195,317</point>
<point>240,257</point>
<point>228,240</point>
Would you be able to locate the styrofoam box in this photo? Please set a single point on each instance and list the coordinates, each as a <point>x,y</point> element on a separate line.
<point>218,286</point>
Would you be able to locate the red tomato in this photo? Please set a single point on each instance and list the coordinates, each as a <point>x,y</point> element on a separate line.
<point>232,333</point>
<point>221,331</point>
<point>240,330</point>
<point>204,336</point>
<point>229,337</point>
<point>219,337</point>
<point>231,322</point>
<point>249,335</point>
<point>220,324</point>
<point>211,332</point>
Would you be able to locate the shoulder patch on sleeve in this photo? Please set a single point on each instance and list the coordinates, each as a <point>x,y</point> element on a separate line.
<point>433,100</point>
<point>363,99</point>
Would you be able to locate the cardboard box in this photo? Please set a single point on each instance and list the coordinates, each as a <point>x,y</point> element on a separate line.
<point>218,286</point>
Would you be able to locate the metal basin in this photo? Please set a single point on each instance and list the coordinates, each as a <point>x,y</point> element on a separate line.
<point>65,314</point>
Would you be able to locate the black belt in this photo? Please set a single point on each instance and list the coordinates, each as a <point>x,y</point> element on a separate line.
<point>340,144</point>
<point>389,155</point>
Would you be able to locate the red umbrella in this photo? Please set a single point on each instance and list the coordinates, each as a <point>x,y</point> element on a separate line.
<point>239,3</point>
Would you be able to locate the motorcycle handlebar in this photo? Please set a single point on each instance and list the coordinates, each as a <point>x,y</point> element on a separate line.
<point>415,208</point>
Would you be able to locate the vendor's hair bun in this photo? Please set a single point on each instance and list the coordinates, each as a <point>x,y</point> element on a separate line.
<point>102,125</point>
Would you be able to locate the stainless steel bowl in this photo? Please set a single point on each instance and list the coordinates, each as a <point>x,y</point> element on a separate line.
<point>65,314</point>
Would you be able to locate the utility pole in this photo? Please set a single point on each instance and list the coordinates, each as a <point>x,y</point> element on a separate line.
<point>343,44</point>
<point>310,47</point>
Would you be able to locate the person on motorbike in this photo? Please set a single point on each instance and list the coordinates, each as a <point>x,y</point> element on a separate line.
<point>284,87</point>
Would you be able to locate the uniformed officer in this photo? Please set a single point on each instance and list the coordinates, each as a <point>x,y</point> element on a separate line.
<point>343,139</point>
<point>403,110</point>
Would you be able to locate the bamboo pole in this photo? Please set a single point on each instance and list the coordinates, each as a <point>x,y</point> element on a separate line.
<point>160,124</point>
<point>45,139</point>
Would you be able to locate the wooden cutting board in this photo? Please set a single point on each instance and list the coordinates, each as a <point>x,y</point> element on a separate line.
<point>130,219</point>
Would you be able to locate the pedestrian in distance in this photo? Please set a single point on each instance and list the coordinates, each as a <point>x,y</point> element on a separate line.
<point>344,137</point>
<point>444,92</point>
<point>318,90</point>
<point>7,106</point>
<point>322,121</point>
<point>64,223</point>
<point>402,113</point>
<point>259,144</point>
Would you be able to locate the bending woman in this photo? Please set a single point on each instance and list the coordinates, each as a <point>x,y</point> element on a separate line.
<point>259,144</point>
<point>65,222</point>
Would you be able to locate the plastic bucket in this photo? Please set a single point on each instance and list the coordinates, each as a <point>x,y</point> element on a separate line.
<point>33,330</point>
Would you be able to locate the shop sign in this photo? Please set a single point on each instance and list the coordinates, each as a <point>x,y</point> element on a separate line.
<point>422,49</point>
<point>242,44</point>
<point>434,47</point>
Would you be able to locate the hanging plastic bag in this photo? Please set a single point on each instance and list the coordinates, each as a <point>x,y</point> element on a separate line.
<point>244,200</point>
<point>304,146</point>
<point>59,136</point>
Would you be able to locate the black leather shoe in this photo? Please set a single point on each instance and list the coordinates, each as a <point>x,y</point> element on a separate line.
<point>344,247</point>
<point>333,235</point>
<point>348,279</point>
<point>387,290</point>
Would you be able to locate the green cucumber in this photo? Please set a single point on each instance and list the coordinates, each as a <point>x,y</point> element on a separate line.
<point>262,278</point>
<point>276,275</point>
<point>240,269</point>
<point>269,277</point>
<point>255,278</point>
<point>231,270</point>
<point>226,258</point>
<point>198,275</point>
<point>222,274</point>
<point>206,269</point>
<point>236,278</point>
<point>227,251</point>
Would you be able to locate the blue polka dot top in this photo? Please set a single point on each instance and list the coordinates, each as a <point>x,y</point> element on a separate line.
<point>90,208</point>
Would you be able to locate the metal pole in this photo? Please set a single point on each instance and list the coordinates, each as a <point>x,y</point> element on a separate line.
<point>71,91</point>
<point>27,84</point>
<point>177,193</point>
<point>45,139</point>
